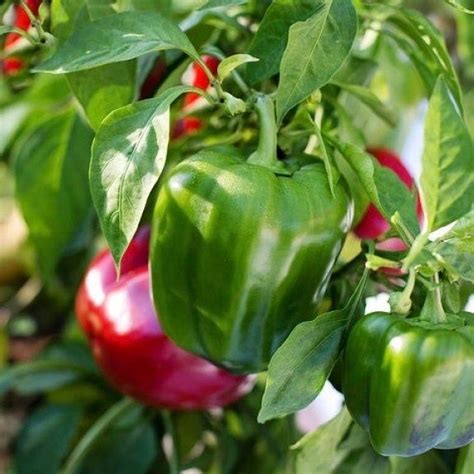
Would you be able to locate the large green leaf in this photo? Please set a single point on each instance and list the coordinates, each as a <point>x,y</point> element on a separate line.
<point>465,460</point>
<point>302,364</point>
<point>125,450</point>
<point>428,463</point>
<point>104,89</point>
<point>45,439</point>
<point>271,38</point>
<point>455,250</point>
<point>64,15</point>
<point>447,179</point>
<point>317,451</point>
<point>316,49</point>
<point>430,55</point>
<point>116,38</point>
<point>51,184</point>
<point>100,90</point>
<point>128,156</point>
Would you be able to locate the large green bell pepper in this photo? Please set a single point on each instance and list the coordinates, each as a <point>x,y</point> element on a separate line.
<point>410,383</point>
<point>242,252</point>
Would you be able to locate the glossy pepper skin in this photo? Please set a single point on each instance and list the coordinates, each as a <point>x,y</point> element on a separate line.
<point>373,225</point>
<point>409,383</point>
<point>130,346</point>
<point>241,255</point>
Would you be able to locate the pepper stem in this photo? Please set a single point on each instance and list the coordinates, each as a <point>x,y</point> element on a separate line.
<point>266,152</point>
<point>439,316</point>
<point>433,308</point>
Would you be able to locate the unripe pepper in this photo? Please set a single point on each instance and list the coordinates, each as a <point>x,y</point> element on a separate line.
<point>409,382</point>
<point>373,225</point>
<point>130,346</point>
<point>242,251</point>
<point>13,41</point>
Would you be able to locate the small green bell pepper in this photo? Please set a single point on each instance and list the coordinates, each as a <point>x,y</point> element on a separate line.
<point>410,383</point>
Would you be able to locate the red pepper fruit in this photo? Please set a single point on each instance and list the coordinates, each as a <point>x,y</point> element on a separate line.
<point>13,65</point>
<point>199,79</point>
<point>102,274</point>
<point>186,126</point>
<point>373,225</point>
<point>130,346</point>
<point>153,80</point>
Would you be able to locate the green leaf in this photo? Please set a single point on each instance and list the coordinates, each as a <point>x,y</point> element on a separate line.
<point>125,450</point>
<point>100,8</point>
<point>317,451</point>
<point>430,54</point>
<point>51,184</point>
<point>58,366</point>
<point>227,65</point>
<point>355,454</point>
<point>428,463</point>
<point>128,156</point>
<point>332,172</point>
<point>271,38</point>
<point>447,179</point>
<point>301,365</point>
<point>316,49</point>
<point>104,89</point>
<point>367,97</point>
<point>116,38</point>
<point>100,90</point>
<point>64,16</point>
<point>465,460</point>
<point>45,438</point>
<point>464,228</point>
<point>124,410</point>
<point>385,190</point>
<point>458,260</point>
<point>220,3</point>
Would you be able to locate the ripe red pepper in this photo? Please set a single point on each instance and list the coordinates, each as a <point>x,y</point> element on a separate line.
<point>153,80</point>
<point>132,349</point>
<point>373,225</point>
<point>195,76</point>
<point>199,79</point>
<point>13,65</point>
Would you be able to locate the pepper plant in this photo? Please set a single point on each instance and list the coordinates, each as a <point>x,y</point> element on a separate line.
<point>212,189</point>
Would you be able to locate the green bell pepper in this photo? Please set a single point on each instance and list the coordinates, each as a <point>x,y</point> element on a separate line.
<point>242,251</point>
<point>410,383</point>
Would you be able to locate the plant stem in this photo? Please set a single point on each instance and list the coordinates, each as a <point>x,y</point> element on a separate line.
<point>403,305</point>
<point>98,428</point>
<point>266,152</point>
<point>169,427</point>
<point>34,21</point>
<point>439,313</point>
<point>24,34</point>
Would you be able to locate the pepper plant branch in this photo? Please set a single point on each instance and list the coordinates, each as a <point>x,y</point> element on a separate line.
<point>266,152</point>
<point>439,313</point>
<point>23,33</point>
<point>35,22</point>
